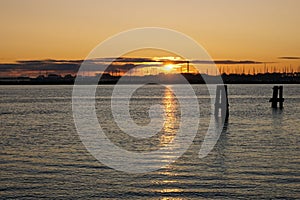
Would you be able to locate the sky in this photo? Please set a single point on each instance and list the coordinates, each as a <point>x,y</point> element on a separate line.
<point>228,29</point>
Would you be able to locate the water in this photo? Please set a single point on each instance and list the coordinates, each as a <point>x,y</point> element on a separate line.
<point>257,156</point>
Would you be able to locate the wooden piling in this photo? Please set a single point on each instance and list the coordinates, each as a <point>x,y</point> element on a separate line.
<point>277,90</point>
<point>281,99</point>
<point>221,102</point>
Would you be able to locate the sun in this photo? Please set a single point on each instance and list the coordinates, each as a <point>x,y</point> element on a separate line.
<point>169,67</point>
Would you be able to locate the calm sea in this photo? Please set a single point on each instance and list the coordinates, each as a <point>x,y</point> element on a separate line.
<point>257,155</point>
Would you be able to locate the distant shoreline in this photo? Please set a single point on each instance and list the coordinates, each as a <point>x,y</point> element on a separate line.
<point>109,83</point>
<point>106,79</point>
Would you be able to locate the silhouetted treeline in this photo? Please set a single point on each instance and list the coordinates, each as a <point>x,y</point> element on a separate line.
<point>54,79</point>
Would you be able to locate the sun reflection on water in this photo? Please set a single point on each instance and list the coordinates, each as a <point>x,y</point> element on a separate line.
<point>170,128</point>
<point>171,123</point>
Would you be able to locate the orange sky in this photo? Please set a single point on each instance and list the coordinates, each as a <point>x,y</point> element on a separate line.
<point>232,29</point>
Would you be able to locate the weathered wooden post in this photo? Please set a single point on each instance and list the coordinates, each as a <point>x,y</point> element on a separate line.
<point>221,102</point>
<point>281,99</point>
<point>275,99</point>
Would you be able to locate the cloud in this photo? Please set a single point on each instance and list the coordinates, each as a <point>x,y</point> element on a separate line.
<point>30,67</point>
<point>135,60</point>
<point>36,66</point>
<point>99,65</point>
<point>224,62</point>
<point>227,62</point>
<point>289,57</point>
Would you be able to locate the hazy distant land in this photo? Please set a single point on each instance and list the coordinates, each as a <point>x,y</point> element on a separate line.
<point>53,79</point>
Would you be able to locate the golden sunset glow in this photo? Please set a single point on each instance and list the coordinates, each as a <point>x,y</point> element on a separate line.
<point>262,31</point>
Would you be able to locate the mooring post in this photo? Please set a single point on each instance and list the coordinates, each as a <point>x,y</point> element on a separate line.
<point>275,99</point>
<point>222,101</point>
<point>281,99</point>
<point>217,101</point>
